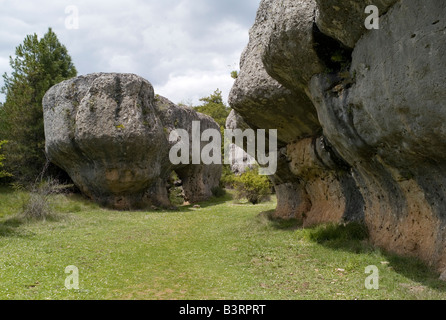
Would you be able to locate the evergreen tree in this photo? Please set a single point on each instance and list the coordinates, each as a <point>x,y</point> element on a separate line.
<point>38,65</point>
<point>214,107</point>
<point>3,173</point>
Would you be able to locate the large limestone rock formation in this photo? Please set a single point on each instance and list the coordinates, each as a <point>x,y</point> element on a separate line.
<point>275,97</point>
<point>260,99</point>
<point>239,160</point>
<point>110,133</point>
<point>389,124</point>
<point>343,20</point>
<point>365,139</point>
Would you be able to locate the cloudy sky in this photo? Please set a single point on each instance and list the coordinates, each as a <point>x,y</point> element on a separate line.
<point>185,48</point>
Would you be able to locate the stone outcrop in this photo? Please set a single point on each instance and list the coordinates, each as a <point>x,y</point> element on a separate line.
<point>110,133</point>
<point>343,20</point>
<point>260,99</point>
<point>389,124</point>
<point>360,115</point>
<point>240,161</point>
<point>271,92</point>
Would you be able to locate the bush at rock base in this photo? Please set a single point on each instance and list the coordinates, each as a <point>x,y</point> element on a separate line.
<point>252,186</point>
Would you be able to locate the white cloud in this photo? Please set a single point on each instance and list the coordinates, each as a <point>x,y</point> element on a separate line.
<point>4,63</point>
<point>123,64</point>
<point>189,88</point>
<point>185,48</point>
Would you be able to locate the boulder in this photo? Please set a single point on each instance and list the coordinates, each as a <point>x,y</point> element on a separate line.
<point>110,133</point>
<point>260,99</point>
<point>344,20</point>
<point>329,190</point>
<point>291,55</point>
<point>389,125</point>
<point>370,143</point>
<point>240,160</point>
<point>271,92</point>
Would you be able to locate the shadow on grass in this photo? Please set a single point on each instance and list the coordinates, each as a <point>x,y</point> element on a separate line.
<point>214,201</point>
<point>9,228</point>
<point>416,270</point>
<point>268,218</point>
<point>6,189</point>
<point>354,238</point>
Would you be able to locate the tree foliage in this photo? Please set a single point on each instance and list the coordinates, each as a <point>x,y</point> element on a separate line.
<point>3,173</point>
<point>214,107</point>
<point>38,65</point>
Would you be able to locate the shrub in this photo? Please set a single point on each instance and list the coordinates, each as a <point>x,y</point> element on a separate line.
<point>252,186</point>
<point>227,177</point>
<point>38,205</point>
<point>175,190</point>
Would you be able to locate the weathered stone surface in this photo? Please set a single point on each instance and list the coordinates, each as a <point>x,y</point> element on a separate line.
<point>261,100</point>
<point>389,125</point>
<point>240,160</point>
<point>291,56</point>
<point>315,186</point>
<point>344,20</point>
<point>271,93</point>
<point>198,180</point>
<point>380,104</point>
<point>330,193</point>
<point>236,121</point>
<point>111,135</point>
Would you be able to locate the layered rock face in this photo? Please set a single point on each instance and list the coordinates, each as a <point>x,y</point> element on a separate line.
<point>110,133</point>
<point>370,141</point>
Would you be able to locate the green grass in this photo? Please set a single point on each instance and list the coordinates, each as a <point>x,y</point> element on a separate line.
<point>223,250</point>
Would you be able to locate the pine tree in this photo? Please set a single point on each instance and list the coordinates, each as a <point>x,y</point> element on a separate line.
<point>38,65</point>
<point>3,173</point>
<point>214,107</point>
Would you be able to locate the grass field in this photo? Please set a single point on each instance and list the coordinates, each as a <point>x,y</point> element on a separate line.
<point>223,250</point>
